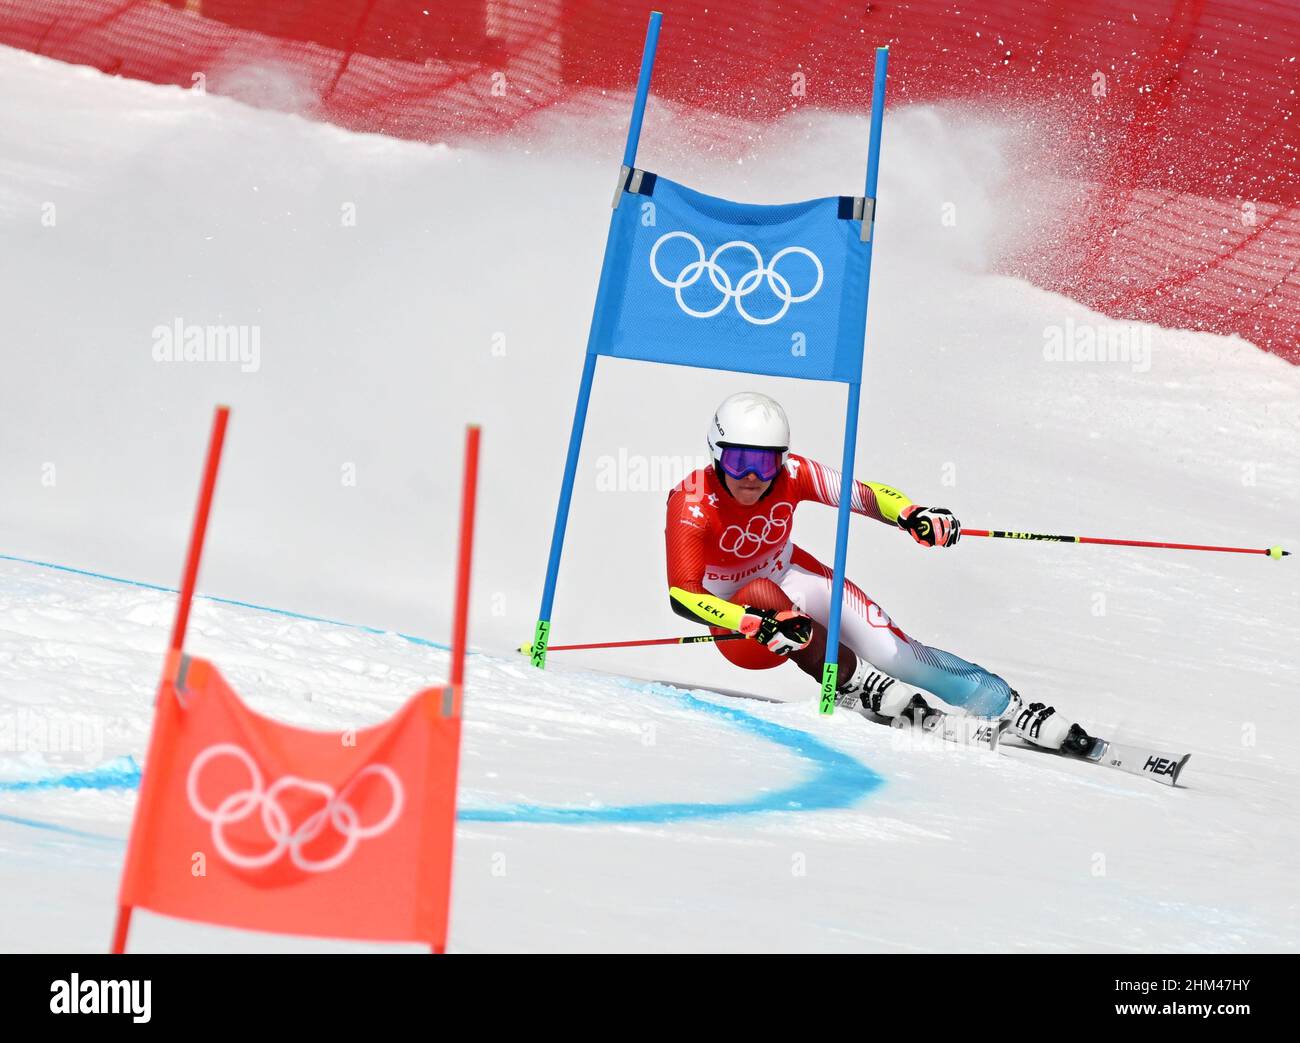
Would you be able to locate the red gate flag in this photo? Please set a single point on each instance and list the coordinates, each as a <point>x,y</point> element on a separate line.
<point>247,822</point>
<point>251,823</point>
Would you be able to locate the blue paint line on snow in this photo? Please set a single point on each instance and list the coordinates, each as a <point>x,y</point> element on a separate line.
<point>119,773</point>
<point>837,781</point>
<point>423,641</point>
<point>67,831</point>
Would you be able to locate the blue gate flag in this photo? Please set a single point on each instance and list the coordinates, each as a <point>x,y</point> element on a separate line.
<point>695,280</point>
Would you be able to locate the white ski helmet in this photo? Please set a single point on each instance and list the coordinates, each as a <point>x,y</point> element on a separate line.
<point>751,420</point>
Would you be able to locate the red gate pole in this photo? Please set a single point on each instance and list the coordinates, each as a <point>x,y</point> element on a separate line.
<point>460,618</point>
<point>200,526</point>
<point>188,580</point>
<point>468,496</point>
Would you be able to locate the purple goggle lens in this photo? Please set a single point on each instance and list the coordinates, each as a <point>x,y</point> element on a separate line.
<point>739,461</point>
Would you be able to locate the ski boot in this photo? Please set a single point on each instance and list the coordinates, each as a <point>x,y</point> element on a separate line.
<point>1041,725</point>
<point>918,712</point>
<point>869,689</point>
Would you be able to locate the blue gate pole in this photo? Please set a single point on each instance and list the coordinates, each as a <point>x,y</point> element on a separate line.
<point>831,669</point>
<point>642,88</point>
<point>541,636</point>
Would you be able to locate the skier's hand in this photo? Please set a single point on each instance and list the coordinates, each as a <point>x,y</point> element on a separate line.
<point>783,632</point>
<point>930,526</point>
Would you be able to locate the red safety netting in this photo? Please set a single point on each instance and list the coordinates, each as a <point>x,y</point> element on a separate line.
<point>1174,119</point>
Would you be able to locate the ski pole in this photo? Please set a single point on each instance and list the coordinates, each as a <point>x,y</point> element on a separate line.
<point>1003,534</point>
<point>694,639</point>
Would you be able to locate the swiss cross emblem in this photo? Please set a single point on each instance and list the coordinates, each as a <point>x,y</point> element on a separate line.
<point>696,512</point>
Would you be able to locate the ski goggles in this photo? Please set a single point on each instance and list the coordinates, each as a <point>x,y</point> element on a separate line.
<point>738,461</point>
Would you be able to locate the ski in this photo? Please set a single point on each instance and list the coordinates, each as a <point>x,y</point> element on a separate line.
<point>986,733</point>
<point>964,731</point>
<point>961,729</point>
<point>1164,768</point>
<point>1161,767</point>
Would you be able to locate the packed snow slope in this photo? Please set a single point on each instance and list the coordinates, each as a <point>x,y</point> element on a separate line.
<point>600,813</point>
<point>400,291</point>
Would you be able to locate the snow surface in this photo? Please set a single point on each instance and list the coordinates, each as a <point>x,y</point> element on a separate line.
<point>602,812</point>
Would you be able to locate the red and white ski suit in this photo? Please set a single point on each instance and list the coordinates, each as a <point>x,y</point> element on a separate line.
<point>718,546</point>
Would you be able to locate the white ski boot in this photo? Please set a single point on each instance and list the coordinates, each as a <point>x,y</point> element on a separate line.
<point>1041,725</point>
<point>876,691</point>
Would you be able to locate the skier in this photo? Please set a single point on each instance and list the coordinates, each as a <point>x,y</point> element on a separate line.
<point>731,564</point>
